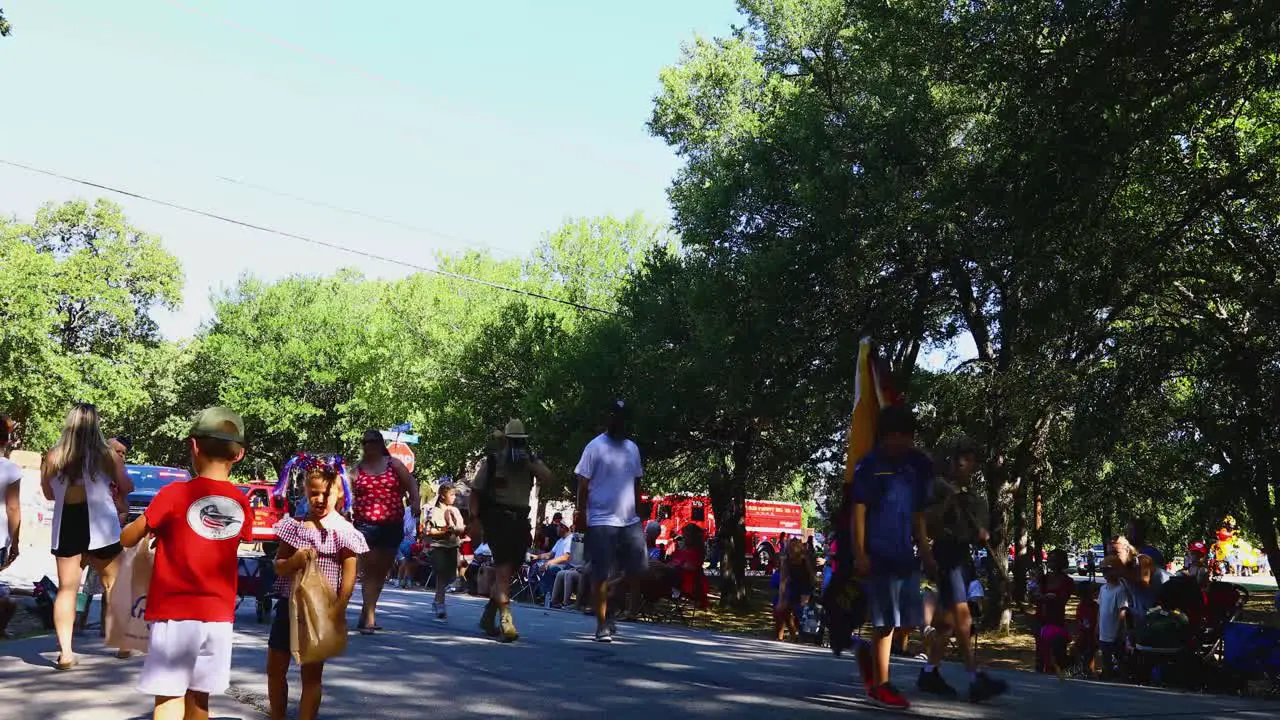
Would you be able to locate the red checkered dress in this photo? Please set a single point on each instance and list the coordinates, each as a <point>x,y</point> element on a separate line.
<point>328,545</point>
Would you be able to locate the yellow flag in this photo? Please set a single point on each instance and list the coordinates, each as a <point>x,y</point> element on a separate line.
<point>871,393</point>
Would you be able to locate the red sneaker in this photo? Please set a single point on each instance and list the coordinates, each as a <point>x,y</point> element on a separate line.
<point>888,696</point>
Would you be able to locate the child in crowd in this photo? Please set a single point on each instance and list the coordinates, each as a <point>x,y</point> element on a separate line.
<point>1113,615</point>
<point>793,582</point>
<point>889,493</point>
<point>1144,591</point>
<point>445,531</point>
<point>334,544</point>
<point>1051,612</point>
<point>198,527</point>
<point>1085,646</point>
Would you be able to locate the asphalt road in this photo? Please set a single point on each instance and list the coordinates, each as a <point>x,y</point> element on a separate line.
<point>422,668</point>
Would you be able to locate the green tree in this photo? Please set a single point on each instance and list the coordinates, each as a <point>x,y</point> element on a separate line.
<point>1019,176</point>
<point>77,321</point>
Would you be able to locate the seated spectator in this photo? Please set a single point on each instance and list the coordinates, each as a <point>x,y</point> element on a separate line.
<point>571,583</point>
<point>555,561</point>
<point>414,560</point>
<point>1187,591</point>
<point>686,564</point>
<point>651,533</point>
<point>690,551</point>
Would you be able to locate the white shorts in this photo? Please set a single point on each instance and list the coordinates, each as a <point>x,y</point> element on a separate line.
<point>187,655</point>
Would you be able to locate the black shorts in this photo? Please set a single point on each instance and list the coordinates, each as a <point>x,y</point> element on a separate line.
<point>508,534</point>
<point>279,638</point>
<point>73,535</point>
<point>444,561</point>
<point>953,586</point>
<point>382,536</point>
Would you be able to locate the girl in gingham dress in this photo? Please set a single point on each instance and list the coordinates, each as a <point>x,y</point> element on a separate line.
<point>325,536</point>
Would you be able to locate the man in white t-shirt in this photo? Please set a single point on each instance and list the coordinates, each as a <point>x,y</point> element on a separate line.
<point>608,495</point>
<point>11,486</point>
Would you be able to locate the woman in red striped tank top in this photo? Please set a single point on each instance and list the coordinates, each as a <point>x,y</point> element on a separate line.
<point>380,485</point>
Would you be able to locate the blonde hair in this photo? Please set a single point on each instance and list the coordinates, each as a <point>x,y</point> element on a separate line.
<point>82,446</point>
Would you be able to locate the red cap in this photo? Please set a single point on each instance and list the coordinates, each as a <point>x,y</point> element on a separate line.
<point>1198,547</point>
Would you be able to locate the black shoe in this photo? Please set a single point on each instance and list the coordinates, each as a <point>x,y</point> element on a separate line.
<point>985,687</point>
<point>934,684</point>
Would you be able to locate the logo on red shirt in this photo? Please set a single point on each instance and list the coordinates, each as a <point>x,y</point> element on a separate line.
<point>215,517</point>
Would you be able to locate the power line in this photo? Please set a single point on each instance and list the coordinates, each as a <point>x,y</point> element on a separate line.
<point>304,238</point>
<point>392,222</point>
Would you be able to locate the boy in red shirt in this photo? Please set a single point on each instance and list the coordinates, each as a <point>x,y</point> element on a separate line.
<point>198,526</point>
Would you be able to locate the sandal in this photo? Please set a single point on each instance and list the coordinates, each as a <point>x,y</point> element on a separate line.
<point>63,666</point>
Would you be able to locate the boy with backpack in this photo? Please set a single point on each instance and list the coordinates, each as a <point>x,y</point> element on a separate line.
<point>198,526</point>
<point>889,494</point>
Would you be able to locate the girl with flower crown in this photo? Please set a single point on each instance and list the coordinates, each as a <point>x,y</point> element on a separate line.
<point>325,536</point>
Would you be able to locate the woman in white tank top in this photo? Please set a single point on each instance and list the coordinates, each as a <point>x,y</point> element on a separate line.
<point>77,476</point>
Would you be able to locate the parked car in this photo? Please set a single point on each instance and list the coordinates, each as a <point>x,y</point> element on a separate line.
<point>147,481</point>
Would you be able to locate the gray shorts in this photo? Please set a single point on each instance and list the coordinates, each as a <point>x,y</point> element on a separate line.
<point>894,601</point>
<point>611,548</point>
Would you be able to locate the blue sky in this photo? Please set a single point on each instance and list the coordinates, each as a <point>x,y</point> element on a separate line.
<point>489,123</point>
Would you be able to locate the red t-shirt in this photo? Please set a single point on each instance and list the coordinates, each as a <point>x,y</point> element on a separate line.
<point>1087,620</point>
<point>198,526</point>
<point>1053,611</point>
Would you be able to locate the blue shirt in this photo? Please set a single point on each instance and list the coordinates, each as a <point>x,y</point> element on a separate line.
<point>893,490</point>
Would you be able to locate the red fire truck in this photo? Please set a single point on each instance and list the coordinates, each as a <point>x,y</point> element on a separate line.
<point>765,521</point>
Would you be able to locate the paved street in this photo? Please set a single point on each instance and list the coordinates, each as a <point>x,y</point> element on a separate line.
<point>420,668</point>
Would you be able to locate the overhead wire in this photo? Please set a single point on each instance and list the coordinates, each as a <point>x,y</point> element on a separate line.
<point>392,222</point>
<point>305,238</point>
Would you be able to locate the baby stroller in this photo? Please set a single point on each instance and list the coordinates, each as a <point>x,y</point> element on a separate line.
<point>812,624</point>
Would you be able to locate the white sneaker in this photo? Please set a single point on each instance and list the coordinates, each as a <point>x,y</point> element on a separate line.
<point>604,636</point>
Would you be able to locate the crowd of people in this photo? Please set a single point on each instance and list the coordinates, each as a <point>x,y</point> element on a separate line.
<point>348,527</point>
<point>905,516</point>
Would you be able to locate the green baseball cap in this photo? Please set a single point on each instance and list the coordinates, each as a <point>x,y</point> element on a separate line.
<point>218,423</point>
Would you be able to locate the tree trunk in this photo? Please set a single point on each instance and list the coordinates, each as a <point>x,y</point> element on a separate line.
<point>728,506</point>
<point>1037,527</point>
<point>728,500</point>
<point>1019,542</point>
<point>998,488</point>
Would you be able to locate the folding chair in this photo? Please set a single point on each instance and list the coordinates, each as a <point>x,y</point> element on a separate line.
<point>524,581</point>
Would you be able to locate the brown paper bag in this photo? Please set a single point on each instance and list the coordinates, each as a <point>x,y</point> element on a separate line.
<point>127,604</point>
<point>314,636</point>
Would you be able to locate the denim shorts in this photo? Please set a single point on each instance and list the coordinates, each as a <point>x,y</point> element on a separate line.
<point>612,548</point>
<point>382,536</point>
<point>279,638</point>
<point>894,601</point>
